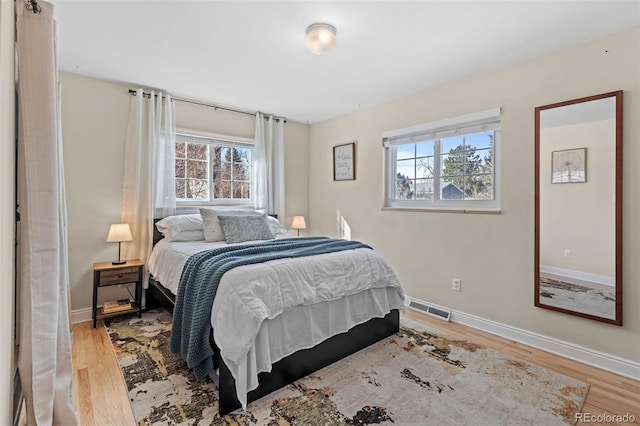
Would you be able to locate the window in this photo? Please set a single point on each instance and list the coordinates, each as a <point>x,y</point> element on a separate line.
<point>209,169</point>
<point>445,164</point>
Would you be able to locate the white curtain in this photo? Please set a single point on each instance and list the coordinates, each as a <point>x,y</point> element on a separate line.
<point>165,200</point>
<point>149,177</point>
<point>44,359</point>
<point>268,165</point>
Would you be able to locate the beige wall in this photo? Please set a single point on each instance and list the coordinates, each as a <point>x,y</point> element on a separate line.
<point>94,120</point>
<point>492,254</point>
<point>7,210</point>
<point>580,216</point>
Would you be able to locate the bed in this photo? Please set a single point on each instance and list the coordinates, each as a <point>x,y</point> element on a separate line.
<point>291,342</point>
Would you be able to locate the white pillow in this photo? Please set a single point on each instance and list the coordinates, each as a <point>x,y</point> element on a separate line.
<point>191,235</point>
<point>275,226</point>
<point>181,227</point>
<point>212,229</point>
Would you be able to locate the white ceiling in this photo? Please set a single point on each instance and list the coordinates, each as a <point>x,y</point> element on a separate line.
<point>251,54</point>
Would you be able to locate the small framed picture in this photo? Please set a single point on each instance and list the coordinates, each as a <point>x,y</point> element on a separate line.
<point>344,161</point>
<point>569,166</point>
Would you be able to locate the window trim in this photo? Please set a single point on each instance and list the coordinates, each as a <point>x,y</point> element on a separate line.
<point>471,123</point>
<point>184,135</point>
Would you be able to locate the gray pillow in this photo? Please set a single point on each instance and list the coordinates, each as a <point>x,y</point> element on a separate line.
<point>245,228</point>
<point>212,229</point>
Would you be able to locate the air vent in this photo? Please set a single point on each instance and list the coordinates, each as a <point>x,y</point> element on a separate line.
<point>442,313</point>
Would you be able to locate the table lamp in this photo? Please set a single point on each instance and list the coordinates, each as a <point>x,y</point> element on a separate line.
<point>118,233</point>
<point>298,223</point>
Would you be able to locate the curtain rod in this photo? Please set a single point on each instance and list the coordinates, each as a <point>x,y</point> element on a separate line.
<point>188,101</point>
<point>33,6</point>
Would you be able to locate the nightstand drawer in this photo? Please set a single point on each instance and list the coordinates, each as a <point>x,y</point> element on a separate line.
<point>122,275</point>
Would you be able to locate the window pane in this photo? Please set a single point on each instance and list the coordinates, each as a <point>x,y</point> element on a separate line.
<point>180,188</point>
<point>240,190</point>
<point>425,167</point>
<point>247,190</point>
<point>451,143</point>
<point>404,188</point>
<point>180,149</point>
<point>452,164</point>
<point>479,140</point>
<point>424,189</point>
<point>240,155</point>
<point>406,168</point>
<point>222,189</point>
<point>452,188</point>
<point>406,151</point>
<point>222,171</point>
<point>197,169</point>
<point>424,148</point>
<point>197,151</point>
<point>225,154</point>
<point>181,167</point>
<point>479,187</point>
<point>486,155</point>
<point>241,171</point>
<point>196,189</point>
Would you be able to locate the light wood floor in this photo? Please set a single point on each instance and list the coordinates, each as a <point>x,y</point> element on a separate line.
<point>100,394</point>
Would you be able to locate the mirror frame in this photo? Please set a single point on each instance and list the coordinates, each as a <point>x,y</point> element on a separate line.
<point>618,208</point>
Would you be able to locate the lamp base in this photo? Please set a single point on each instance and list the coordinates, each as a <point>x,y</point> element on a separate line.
<point>118,262</point>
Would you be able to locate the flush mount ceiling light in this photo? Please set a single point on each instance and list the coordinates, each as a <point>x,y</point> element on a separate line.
<point>321,38</point>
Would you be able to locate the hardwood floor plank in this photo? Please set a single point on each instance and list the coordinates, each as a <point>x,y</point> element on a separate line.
<point>83,401</point>
<point>99,389</point>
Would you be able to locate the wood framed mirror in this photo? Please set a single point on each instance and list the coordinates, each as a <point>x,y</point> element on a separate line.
<point>578,207</point>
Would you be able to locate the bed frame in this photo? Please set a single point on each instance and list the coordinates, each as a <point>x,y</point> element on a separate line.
<point>295,366</point>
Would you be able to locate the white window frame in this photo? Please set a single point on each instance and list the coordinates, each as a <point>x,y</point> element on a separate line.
<point>465,124</point>
<point>216,140</point>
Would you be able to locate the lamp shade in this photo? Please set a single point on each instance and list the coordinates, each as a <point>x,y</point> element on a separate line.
<point>321,38</point>
<point>119,232</point>
<point>298,223</point>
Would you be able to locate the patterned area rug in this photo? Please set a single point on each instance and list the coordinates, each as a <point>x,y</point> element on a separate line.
<point>420,376</point>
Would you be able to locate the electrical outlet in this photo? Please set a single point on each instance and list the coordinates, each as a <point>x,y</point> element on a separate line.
<point>567,253</point>
<point>455,284</point>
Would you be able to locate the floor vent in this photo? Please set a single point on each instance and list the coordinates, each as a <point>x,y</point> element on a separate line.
<point>440,313</point>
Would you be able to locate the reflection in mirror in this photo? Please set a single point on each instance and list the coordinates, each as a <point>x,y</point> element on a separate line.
<point>578,259</point>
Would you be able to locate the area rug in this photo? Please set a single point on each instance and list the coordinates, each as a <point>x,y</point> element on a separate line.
<point>420,376</point>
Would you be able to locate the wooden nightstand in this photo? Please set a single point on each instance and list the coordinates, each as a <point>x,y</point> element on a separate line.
<point>106,274</point>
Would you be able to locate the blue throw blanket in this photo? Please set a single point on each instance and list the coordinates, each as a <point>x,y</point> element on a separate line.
<point>199,283</point>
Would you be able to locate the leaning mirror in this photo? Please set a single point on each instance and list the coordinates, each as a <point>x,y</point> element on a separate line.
<point>578,203</point>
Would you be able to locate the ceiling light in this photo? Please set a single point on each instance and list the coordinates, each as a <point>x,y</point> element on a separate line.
<point>321,38</point>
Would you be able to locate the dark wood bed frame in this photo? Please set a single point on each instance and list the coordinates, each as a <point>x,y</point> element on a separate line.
<point>295,366</point>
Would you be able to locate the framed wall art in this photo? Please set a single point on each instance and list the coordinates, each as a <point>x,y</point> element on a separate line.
<point>344,161</point>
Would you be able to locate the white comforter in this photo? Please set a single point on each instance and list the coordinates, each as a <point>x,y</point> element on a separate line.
<point>249,295</point>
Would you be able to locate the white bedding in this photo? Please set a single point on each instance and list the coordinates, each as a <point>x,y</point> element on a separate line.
<point>300,302</point>
<point>168,258</point>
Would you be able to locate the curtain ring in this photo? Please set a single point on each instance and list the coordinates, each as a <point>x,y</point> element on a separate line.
<point>33,6</point>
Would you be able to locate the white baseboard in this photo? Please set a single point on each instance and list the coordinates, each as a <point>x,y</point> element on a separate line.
<point>579,275</point>
<point>81,315</point>
<point>604,361</point>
